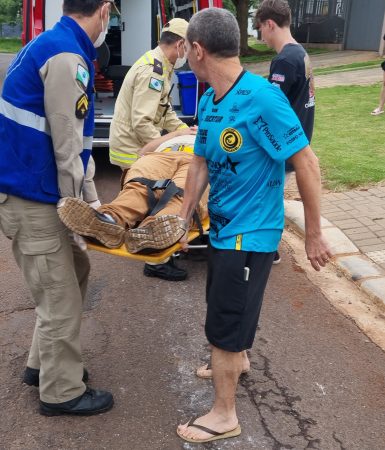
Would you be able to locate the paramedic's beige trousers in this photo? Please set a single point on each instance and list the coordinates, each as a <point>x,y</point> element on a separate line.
<point>131,207</point>
<point>56,271</point>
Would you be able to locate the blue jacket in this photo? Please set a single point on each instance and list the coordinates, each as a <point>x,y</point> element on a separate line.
<point>27,160</point>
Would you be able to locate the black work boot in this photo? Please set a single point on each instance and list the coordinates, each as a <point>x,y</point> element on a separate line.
<point>167,271</point>
<point>90,403</point>
<point>31,376</point>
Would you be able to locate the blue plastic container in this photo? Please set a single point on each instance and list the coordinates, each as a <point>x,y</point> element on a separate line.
<point>187,92</point>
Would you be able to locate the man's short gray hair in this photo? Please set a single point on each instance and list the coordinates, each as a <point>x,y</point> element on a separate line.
<point>216,30</point>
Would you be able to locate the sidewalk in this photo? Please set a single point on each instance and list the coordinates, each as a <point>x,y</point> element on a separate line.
<point>361,77</point>
<point>327,59</point>
<point>353,222</point>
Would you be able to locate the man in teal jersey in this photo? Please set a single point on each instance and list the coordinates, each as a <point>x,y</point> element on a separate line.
<point>247,130</point>
<point>291,70</point>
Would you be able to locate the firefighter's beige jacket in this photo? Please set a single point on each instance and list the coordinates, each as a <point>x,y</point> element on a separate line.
<point>142,108</point>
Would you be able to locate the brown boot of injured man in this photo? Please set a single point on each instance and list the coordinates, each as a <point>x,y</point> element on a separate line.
<point>160,233</point>
<point>81,218</point>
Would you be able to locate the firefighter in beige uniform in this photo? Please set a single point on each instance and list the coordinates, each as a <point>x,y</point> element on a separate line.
<point>46,126</point>
<point>143,110</point>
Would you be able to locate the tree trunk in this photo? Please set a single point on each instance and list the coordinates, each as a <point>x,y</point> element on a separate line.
<point>332,8</point>
<point>242,9</point>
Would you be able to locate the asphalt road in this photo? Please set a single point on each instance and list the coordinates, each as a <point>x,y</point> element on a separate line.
<point>316,382</point>
<point>5,60</point>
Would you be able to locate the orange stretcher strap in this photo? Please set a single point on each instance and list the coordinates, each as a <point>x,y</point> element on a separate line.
<point>156,257</point>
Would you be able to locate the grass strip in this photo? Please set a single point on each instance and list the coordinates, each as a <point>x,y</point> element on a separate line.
<point>347,138</point>
<point>266,53</point>
<point>10,45</point>
<point>348,67</point>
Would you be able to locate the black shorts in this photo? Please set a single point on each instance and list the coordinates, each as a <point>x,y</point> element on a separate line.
<point>234,303</point>
<point>383,65</point>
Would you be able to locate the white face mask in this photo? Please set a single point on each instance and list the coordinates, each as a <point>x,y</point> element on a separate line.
<point>180,62</point>
<point>102,36</point>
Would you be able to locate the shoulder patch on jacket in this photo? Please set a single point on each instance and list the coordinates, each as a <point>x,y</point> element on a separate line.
<point>158,67</point>
<point>82,76</point>
<point>156,84</point>
<point>82,107</point>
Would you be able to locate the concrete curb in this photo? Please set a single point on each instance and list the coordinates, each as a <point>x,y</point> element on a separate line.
<point>346,256</point>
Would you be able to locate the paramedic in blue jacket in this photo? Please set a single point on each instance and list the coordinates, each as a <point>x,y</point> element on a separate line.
<point>46,128</point>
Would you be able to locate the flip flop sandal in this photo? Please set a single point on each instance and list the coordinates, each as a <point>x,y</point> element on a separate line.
<point>377,112</point>
<point>216,436</point>
<point>206,373</point>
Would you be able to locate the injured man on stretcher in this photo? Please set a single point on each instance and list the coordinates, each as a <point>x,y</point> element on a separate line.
<point>145,214</point>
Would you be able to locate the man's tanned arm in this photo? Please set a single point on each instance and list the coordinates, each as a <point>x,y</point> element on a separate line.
<point>308,177</point>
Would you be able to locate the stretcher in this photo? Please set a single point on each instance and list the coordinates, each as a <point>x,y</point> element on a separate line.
<point>156,257</point>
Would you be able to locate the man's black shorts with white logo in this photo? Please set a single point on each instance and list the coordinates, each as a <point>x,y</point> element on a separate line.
<point>234,296</point>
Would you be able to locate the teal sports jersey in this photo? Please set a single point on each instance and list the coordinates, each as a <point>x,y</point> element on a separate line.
<point>245,137</point>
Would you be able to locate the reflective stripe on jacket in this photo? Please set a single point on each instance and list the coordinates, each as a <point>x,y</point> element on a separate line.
<point>45,148</point>
<point>142,109</point>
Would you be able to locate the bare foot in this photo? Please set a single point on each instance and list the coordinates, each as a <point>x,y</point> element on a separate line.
<point>213,422</point>
<point>206,372</point>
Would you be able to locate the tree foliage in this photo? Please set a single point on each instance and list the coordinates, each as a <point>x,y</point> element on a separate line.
<point>10,11</point>
<point>230,4</point>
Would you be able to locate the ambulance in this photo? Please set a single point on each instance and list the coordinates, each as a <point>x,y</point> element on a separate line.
<point>130,35</point>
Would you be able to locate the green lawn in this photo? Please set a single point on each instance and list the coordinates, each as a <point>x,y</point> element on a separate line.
<point>347,139</point>
<point>349,67</point>
<point>10,45</point>
<point>266,53</point>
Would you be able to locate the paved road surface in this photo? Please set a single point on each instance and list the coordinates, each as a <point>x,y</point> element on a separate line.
<point>5,59</point>
<point>360,77</point>
<point>316,381</point>
<point>365,76</point>
<point>321,60</point>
